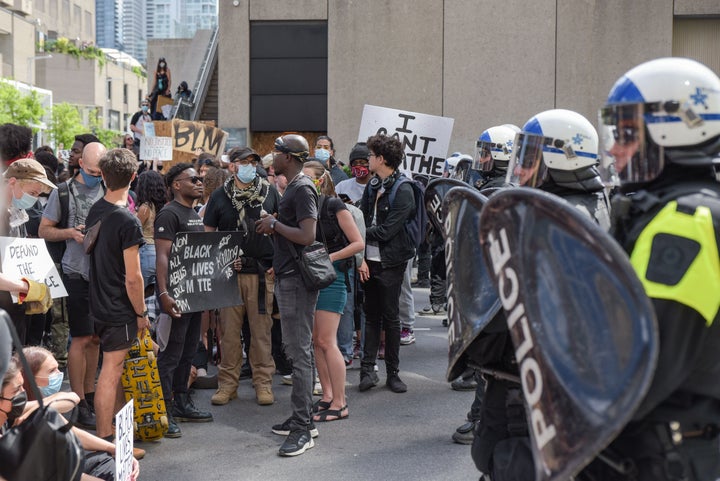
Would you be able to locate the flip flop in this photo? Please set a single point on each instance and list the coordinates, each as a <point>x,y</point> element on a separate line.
<point>322,416</point>
<point>321,405</point>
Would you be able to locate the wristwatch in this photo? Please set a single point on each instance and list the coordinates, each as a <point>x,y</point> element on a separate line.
<point>143,315</point>
<point>272,224</point>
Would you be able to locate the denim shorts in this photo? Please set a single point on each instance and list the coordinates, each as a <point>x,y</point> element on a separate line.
<point>334,296</point>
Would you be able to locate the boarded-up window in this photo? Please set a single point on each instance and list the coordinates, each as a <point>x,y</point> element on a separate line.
<point>698,38</point>
<point>288,76</point>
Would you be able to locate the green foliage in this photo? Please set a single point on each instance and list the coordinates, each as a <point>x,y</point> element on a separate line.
<point>65,46</point>
<point>19,109</point>
<point>139,72</point>
<point>66,123</point>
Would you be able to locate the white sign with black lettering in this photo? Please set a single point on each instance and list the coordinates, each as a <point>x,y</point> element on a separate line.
<point>159,148</point>
<point>124,431</point>
<point>30,258</point>
<point>425,138</point>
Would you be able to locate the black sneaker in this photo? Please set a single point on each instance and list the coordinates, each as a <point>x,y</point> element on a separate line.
<point>85,417</point>
<point>368,380</point>
<point>297,442</point>
<point>395,384</point>
<point>284,429</point>
<point>464,384</point>
<point>184,410</point>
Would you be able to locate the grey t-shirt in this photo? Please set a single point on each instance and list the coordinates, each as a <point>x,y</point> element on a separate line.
<point>82,197</point>
<point>351,188</point>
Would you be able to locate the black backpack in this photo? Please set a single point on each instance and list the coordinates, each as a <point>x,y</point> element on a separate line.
<point>415,226</point>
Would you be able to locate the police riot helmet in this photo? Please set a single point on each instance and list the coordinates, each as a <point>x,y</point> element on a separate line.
<point>493,149</point>
<point>556,147</point>
<point>662,111</point>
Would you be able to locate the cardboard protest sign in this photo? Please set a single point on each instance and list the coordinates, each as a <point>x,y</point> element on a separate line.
<point>156,148</point>
<point>425,138</point>
<point>201,273</point>
<point>124,430</point>
<point>30,258</point>
<point>188,136</point>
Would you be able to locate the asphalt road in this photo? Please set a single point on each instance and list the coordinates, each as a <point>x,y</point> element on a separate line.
<point>386,437</point>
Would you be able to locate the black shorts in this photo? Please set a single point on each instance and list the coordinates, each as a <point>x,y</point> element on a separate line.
<point>116,338</point>
<point>78,306</point>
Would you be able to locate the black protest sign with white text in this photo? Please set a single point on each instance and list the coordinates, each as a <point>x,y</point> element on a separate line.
<point>201,273</point>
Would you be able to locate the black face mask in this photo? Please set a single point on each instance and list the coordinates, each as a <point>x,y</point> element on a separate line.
<point>18,406</point>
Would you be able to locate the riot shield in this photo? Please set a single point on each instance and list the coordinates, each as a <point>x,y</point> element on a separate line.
<point>472,298</point>
<point>434,194</point>
<point>584,331</point>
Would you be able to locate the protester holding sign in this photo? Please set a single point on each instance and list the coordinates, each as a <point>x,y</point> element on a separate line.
<point>175,360</point>
<point>24,180</point>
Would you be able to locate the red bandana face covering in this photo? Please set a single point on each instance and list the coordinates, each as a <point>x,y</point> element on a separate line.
<point>360,171</point>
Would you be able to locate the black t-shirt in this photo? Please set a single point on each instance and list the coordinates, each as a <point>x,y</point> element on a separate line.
<point>298,203</point>
<point>174,218</point>
<point>222,215</point>
<point>335,238</point>
<point>120,230</point>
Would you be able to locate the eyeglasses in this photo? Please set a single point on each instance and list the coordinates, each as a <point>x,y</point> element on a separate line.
<point>194,179</point>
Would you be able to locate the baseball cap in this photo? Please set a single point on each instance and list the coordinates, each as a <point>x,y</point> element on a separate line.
<point>28,169</point>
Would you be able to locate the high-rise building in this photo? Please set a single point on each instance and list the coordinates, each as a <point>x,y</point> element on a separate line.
<point>121,24</point>
<point>180,19</point>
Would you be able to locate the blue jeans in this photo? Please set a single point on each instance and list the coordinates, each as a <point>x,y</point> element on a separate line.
<point>147,262</point>
<point>347,320</point>
<point>297,313</point>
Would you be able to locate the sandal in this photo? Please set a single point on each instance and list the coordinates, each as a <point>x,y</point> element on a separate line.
<point>321,405</point>
<point>322,416</point>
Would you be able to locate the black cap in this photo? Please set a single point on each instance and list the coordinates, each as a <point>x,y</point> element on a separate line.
<point>240,153</point>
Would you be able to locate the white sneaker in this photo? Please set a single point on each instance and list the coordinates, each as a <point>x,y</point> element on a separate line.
<point>287,379</point>
<point>317,390</point>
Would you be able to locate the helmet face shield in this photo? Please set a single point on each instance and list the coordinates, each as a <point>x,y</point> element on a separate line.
<point>627,154</point>
<point>527,167</point>
<point>483,160</point>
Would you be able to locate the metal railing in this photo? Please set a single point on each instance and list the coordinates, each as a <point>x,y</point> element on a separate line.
<point>190,109</point>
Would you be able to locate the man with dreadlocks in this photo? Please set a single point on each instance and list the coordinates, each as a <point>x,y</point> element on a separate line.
<point>236,207</point>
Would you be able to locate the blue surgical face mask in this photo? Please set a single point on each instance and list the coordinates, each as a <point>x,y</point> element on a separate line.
<point>90,180</point>
<point>246,173</point>
<point>144,108</point>
<point>322,154</point>
<point>24,202</point>
<point>54,384</point>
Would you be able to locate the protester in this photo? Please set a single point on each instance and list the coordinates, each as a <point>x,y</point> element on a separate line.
<point>236,207</point>
<point>162,82</point>
<point>351,190</point>
<point>325,153</point>
<point>388,249</point>
<point>15,143</point>
<point>97,464</point>
<point>151,197</point>
<point>294,228</point>
<point>175,360</point>
<point>66,222</point>
<point>336,228</point>
<point>23,182</point>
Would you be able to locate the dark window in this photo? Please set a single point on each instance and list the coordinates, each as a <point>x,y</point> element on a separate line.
<point>288,76</point>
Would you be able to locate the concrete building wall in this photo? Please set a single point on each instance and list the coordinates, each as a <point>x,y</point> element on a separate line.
<point>599,40</point>
<point>482,62</point>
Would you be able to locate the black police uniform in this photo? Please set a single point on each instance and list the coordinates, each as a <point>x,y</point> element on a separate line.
<point>670,230</point>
